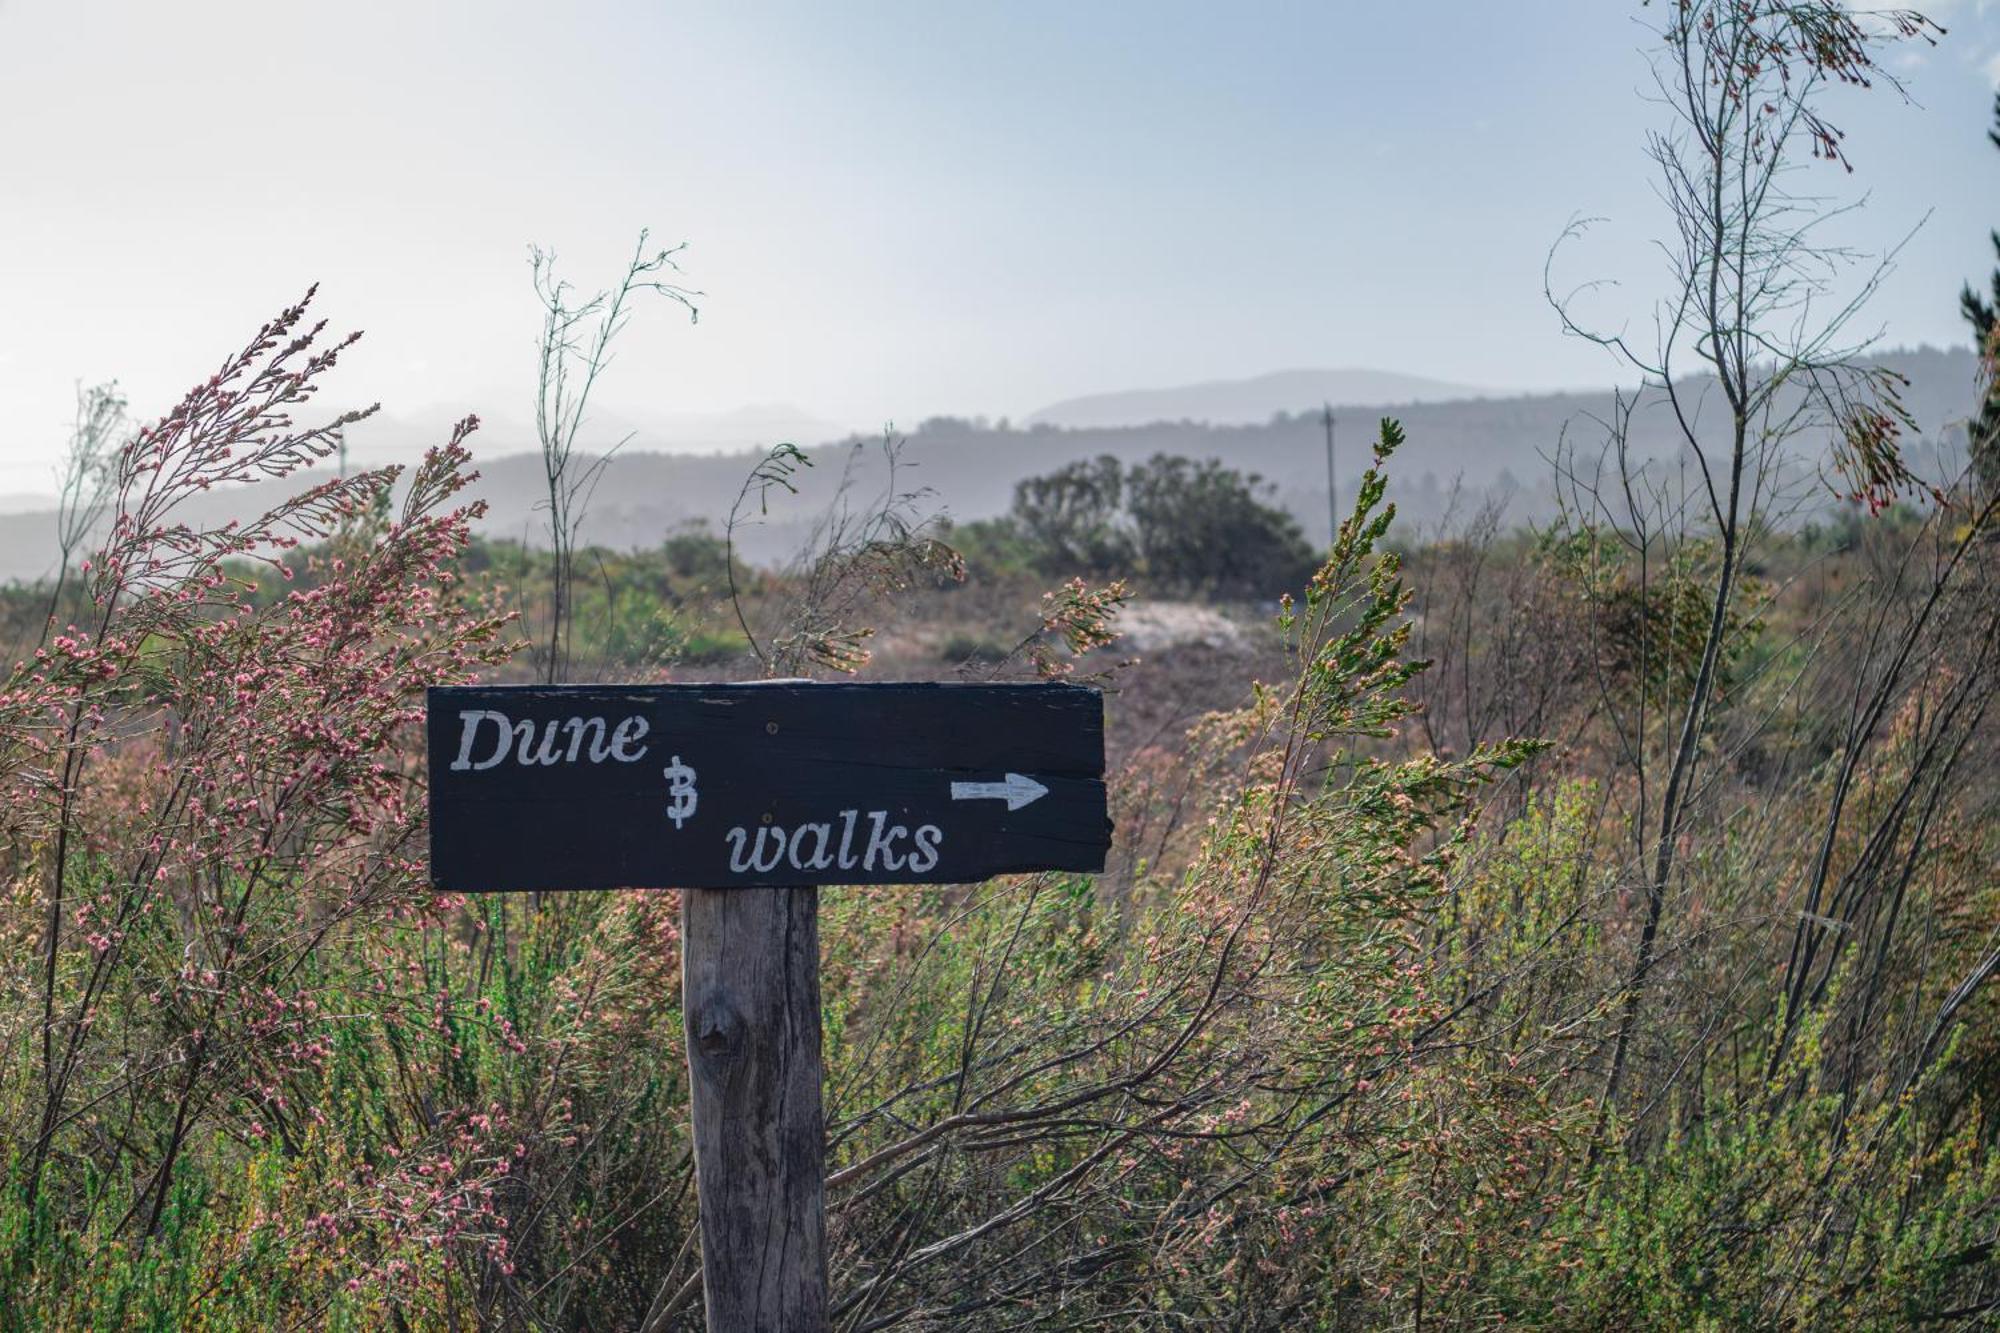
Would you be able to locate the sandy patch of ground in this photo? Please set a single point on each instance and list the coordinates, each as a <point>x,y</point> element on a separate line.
<point>1149,626</point>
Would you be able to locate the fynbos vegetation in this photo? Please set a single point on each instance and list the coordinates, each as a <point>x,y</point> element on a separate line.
<point>1591,926</point>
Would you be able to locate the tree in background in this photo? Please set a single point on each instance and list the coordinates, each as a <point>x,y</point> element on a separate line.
<point>1190,525</point>
<point>1070,517</point>
<point>1983,313</point>
<point>1201,525</point>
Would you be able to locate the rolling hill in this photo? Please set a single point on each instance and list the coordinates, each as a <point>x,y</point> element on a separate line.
<point>1248,402</point>
<point>1461,453</point>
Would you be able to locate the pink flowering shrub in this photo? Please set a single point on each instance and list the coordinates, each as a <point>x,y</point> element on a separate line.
<point>257,1073</point>
<point>200,793</point>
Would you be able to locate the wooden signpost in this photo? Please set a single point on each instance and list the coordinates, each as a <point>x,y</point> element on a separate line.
<point>749,797</point>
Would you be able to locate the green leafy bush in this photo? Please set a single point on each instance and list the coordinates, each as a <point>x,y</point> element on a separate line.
<point>1186,526</point>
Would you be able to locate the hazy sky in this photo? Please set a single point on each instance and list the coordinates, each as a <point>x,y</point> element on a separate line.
<point>895,210</point>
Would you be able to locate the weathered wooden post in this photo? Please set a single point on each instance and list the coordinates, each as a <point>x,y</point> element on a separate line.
<point>739,795</point>
<point>750,1000</point>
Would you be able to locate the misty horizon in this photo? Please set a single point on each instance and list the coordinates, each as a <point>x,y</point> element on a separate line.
<point>913,216</point>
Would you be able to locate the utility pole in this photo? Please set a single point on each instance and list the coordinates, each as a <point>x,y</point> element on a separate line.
<point>1332,492</point>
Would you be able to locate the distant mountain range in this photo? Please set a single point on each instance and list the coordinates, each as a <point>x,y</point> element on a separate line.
<point>1248,402</point>
<point>1461,453</point>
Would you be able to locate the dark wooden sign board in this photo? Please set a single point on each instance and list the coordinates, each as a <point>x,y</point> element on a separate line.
<point>720,786</point>
<point>749,797</point>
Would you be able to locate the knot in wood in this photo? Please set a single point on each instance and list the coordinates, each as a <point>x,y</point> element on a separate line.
<point>718,1030</point>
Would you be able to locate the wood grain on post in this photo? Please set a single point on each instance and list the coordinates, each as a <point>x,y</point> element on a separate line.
<point>750,988</point>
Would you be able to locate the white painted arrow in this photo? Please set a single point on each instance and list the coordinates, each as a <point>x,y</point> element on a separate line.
<point>1016,791</point>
